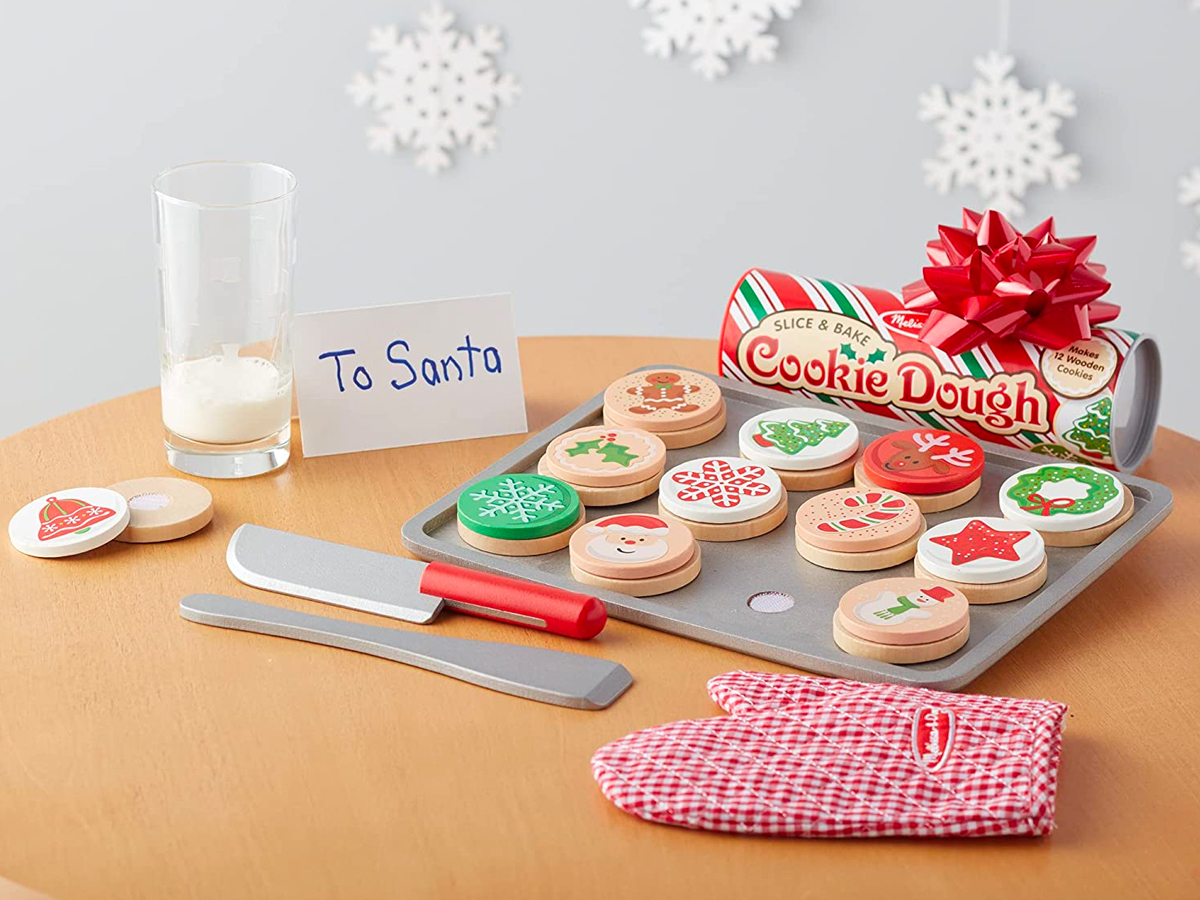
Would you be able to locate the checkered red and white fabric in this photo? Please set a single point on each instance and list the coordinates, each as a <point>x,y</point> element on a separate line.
<point>817,757</point>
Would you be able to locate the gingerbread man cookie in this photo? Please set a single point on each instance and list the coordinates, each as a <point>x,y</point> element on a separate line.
<point>662,400</point>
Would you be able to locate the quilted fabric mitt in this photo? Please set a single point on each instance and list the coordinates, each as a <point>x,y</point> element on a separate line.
<point>817,757</point>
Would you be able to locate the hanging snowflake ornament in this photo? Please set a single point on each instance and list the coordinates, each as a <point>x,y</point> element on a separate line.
<point>998,136</point>
<point>434,90</point>
<point>713,30</point>
<point>1189,195</point>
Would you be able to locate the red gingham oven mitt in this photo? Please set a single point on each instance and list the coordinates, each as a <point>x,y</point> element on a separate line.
<point>818,757</point>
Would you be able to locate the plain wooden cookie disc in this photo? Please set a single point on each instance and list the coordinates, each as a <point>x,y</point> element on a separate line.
<point>609,496</point>
<point>868,561</point>
<point>530,547</point>
<point>1094,535</point>
<point>1003,592</point>
<point>903,654</point>
<point>644,587</point>
<point>738,531</point>
<point>163,509</point>
<point>927,503</point>
<point>686,437</point>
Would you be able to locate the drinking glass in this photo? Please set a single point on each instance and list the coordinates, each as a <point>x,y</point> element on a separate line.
<point>226,241</point>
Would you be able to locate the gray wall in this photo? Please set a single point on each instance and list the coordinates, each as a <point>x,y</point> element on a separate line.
<point>626,194</point>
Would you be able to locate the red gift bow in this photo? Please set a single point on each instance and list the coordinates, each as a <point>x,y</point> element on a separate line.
<point>989,280</point>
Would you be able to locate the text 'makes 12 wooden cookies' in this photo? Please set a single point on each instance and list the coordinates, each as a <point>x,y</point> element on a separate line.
<point>683,408</point>
<point>607,465</point>
<point>809,449</point>
<point>635,553</point>
<point>938,469</point>
<point>723,498</point>
<point>858,530</point>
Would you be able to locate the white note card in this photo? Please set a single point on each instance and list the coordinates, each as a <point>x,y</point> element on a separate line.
<point>408,373</point>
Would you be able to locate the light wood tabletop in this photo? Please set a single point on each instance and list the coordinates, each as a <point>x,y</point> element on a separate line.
<point>143,756</point>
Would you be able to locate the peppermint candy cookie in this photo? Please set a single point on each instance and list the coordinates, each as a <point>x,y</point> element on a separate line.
<point>1063,498</point>
<point>858,530</point>
<point>684,408</point>
<point>991,560</point>
<point>635,554</point>
<point>723,498</point>
<point>810,449</point>
<point>606,466</point>
<point>939,469</point>
<point>519,514</point>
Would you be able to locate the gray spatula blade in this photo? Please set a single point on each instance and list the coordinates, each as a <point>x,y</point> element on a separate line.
<point>548,676</point>
<point>331,573</point>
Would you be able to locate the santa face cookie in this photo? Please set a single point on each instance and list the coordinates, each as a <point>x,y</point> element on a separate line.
<point>631,545</point>
<point>923,461</point>
<point>720,490</point>
<point>903,611</point>
<point>1062,497</point>
<point>68,522</point>
<point>662,400</point>
<point>798,439</point>
<point>984,550</point>
<point>852,520</point>
<point>606,457</point>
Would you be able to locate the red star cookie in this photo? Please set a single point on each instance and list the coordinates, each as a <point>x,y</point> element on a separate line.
<point>978,540</point>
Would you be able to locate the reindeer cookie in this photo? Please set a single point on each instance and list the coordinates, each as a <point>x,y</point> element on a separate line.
<point>939,469</point>
<point>684,408</point>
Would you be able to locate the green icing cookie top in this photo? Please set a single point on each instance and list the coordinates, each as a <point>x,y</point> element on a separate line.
<point>1027,490</point>
<point>518,507</point>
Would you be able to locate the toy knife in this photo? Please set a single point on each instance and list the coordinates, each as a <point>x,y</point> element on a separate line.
<point>400,588</point>
<point>548,676</point>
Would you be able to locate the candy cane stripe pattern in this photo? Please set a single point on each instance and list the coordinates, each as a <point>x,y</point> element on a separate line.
<point>719,490</point>
<point>1061,498</point>
<point>853,520</point>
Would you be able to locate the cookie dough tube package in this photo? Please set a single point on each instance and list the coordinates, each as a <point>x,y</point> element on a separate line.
<point>1094,401</point>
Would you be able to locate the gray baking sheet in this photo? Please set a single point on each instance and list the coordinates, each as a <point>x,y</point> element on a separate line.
<point>714,607</point>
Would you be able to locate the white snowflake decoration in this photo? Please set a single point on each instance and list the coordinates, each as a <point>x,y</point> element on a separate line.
<point>713,30</point>
<point>1189,195</point>
<point>518,501</point>
<point>434,90</point>
<point>998,136</point>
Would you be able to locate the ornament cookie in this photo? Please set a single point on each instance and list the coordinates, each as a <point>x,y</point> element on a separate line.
<point>519,514</point>
<point>1058,498</point>
<point>903,611</point>
<point>858,531</point>
<point>662,400</point>
<point>991,560</point>
<point>599,456</point>
<point>68,522</point>
<point>634,553</point>
<point>163,509</point>
<point>923,461</point>
<point>798,439</point>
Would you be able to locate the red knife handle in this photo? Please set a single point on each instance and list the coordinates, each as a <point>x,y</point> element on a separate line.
<point>505,599</point>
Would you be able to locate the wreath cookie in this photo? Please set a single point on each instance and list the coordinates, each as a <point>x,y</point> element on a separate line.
<point>1056,498</point>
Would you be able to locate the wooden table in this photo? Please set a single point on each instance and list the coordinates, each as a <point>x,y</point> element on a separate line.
<point>142,756</point>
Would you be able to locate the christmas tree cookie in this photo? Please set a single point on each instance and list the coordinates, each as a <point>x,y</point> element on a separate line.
<point>810,449</point>
<point>519,514</point>
<point>606,465</point>
<point>636,554</point>
<point>683,408</point>
<point>989,559</point>
<point>902,620</point>
<point>1091,433</point>
<point>723,498</point>
<point>1070,504</point>
<point>939,469</point>
<point>857,530</point>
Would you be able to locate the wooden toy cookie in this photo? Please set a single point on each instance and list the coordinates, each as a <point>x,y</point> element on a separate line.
<point>938,469</point>
<point>519,514</point>
<point>810,449</point>
<point>902,620</point>
<point>989,559</point>
<point>857,531</point>
<point>1071,505</point>
<point>68,522</point>
<point>606,466</point>
<point>897,654</point>
<point>163,509</point>
<point>635,554</point>
<point>723,498</point>
<point>683,408</point>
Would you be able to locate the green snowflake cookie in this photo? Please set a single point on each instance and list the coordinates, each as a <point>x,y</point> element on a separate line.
<point>518,507</point>
<point>1026,490</point>
<point>793,436</point>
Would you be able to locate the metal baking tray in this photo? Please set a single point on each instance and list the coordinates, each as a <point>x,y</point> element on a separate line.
<point>714,607</point>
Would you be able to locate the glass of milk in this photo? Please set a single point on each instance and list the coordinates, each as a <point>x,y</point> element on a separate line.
<point>226,241</point>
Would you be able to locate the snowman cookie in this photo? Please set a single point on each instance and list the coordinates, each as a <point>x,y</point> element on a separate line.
<point>939,469</point>
<point>684,408</point>
<point>810,449</point>
<point>635,553</point>
<point>991,560</point>
<point>902,620</point>
<point>1070,504</point>
<point>723,498</point>
<point>606,466</point>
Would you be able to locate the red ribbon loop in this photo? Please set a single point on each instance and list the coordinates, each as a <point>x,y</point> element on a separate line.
<point>1045,506</point>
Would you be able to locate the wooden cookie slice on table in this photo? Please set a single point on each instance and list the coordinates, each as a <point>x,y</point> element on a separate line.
<point>163,509</point>
<point>723,498</point>
<point>856,530</point>
<point>606,466</point>
<point>942,466</point>
<point>662,400</point>
<point>66,523</point>
<point>635,554</point>
<point>519,514</point>
<point>903,611</point>
<point>810,449</point>
<point>991,560</point>
<point>1066,499</point>
<point>898,654</point>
